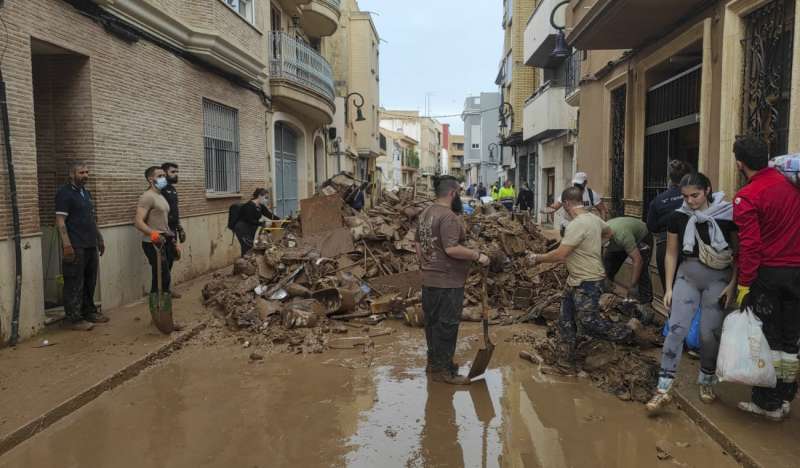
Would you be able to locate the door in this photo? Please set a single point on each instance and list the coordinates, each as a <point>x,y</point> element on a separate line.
<point>286,197</point>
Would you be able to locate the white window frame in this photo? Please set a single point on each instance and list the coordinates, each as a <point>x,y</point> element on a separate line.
<point>221,148</point>
<point>476,137</point>
<point>244,8</point>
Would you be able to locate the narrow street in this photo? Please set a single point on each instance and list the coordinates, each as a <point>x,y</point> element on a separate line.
<point>208,405</point>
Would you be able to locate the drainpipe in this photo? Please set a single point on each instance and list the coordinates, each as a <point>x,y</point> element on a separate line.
<point>12,186</point>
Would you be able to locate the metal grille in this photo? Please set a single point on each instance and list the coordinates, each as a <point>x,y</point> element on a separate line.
<point>221,140</point>
<point>662,105</point>
<point>298,62</point>
<point>768,74</point>
<point>286,186</point>
<point>573,72</point>
<point>618,100</point>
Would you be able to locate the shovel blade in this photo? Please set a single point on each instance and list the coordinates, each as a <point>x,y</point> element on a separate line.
<point>481,362</point>
<point>161,312</point>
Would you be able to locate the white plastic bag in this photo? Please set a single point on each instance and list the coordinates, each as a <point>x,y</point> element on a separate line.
<point>744,354</point>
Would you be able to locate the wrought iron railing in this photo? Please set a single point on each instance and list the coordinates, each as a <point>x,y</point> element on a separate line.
<point>336,4</point>
<point>572,78</point>
<point>296,61</point>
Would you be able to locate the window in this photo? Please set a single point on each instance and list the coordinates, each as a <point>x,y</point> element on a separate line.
<point>243,7</point>
<point>275,19</point>
<point>476,101</point>
<point>221,141</point>
<point>507,65</point>
<point>476,137</point>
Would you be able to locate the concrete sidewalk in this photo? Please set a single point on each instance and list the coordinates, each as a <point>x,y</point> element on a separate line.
<point>39,385</point>
<point>752,440</point>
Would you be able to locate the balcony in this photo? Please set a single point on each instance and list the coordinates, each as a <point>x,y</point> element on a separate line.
<point>540,36</point>
<point>546,113</point>
<point>572,80</point>
<point>320,17</point>
<point>625,24</point>
<point>300,78</point>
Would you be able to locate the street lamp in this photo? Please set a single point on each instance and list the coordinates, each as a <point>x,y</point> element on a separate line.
<point>506,111</point>
<point>561,49</point>
<point>359,112</point>
<point>492,148</point>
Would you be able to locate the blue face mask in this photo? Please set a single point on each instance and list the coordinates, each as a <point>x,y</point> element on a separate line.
<point>161,183</point>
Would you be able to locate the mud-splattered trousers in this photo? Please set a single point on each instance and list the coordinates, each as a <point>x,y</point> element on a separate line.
<point>580,314</point>
<point>695,284</point>
<point>442,308</point>
<point>775,299</point>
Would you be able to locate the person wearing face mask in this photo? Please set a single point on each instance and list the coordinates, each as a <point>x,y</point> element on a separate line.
<point>152,217</point>
<point>171,194</point>
<point>444,264</point>
<point>249,219</point>
<point>703,234</point>
<point>767,211</point>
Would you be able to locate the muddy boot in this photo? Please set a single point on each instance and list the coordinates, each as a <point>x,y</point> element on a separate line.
<point>662,398</point>
<point>706,384</point>
<point>79,325</point>
<point>449,377</point>
<point>96,317</point>
<point>750,407</point>
<point>453,368</point>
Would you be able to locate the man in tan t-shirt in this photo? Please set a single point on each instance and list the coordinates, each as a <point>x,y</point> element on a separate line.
<point>444,265</point>
<point>581,249</point>
<point>152,217</point>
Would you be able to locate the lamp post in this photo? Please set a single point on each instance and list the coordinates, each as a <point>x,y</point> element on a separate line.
<point>359,112</point>
<point>561,49</point>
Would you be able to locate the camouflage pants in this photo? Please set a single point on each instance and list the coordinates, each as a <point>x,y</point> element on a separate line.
<point>580,314</point>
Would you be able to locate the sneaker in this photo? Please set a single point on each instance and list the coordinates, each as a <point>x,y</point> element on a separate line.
<point>96,317</point>
<point>750,407</point>
<point>80,325</point>
<point>659,401</point>
<point>707,394</point>
<point>450,378</point>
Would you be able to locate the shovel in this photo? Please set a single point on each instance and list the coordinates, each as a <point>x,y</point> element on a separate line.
<point>481,361</point>
<point>161,302</point>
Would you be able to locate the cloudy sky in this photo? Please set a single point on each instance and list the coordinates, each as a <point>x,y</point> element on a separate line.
<point>448,49</point>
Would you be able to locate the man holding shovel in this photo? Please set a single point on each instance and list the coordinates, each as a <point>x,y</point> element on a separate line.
<point>444,264</point>
<point>581,250</point>
<point>152,220</point>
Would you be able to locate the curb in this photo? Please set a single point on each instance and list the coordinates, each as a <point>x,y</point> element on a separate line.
<point>80,400</point>
<point>714,431</point>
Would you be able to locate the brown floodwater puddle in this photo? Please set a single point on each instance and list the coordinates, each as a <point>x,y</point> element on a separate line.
<point>208,406</point>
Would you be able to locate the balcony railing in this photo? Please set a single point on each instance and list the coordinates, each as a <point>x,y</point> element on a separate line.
<point>295,61</point>
<point>572,80</point>
<point>335,4</point>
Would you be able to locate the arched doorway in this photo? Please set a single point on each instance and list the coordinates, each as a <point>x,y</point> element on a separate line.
<point>319,162</point>
<point>286,187</point>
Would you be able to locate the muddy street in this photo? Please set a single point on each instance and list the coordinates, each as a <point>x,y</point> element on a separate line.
<point>210,404</point>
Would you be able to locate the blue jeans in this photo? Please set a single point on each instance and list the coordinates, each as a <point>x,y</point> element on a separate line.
<point>580,314</point>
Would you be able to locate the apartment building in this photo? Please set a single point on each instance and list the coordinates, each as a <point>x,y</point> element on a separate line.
<point>354,52</point>
<point>236,92</point>
<point>482,149</point>
<point>549,122</point>
<point>400,164</point>
<point>456,155</point>
<point>517,82</point>
<point>425,130</point>
<point>680,80</point>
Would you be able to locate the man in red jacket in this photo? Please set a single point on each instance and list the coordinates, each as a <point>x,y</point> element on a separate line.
<point>767,212</point>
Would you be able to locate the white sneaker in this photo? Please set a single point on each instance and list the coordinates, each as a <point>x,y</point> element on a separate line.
<point>750,407</point>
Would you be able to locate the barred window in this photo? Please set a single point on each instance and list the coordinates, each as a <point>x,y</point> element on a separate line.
<point>221,140</point>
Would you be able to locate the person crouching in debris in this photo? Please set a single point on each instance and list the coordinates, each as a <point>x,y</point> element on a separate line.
<point>703,233</point>
<point>581,250</point>
<point>249,219</point>
<point>444,263</point>
<point>356,197</point>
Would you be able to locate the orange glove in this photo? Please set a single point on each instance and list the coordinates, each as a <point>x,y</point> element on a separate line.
<point>155,237</point>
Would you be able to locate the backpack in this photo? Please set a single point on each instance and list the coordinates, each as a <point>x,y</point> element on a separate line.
<point>233,215</point>
<point>789,166</point>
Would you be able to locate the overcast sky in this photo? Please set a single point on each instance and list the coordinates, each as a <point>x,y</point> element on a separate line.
<point>449,48</point>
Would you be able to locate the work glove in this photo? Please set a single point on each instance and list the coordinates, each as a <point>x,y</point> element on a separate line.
<point>155,238</point>
<point>742,294</point>
<point>483,259</point>
<point>69,254</point>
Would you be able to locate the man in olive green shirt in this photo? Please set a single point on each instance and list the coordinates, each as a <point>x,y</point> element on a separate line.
<point>631,239</point>
<point>581,250</point>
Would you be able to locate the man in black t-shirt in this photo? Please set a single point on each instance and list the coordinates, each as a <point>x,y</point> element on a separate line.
<point>170,193</point>
<point>81,242</point>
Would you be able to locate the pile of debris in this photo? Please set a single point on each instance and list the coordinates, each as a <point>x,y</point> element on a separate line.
<point>623,370</point>
<point>334,269</point>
